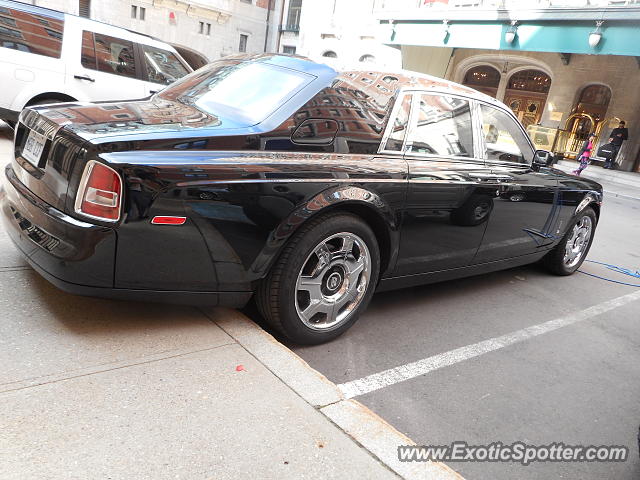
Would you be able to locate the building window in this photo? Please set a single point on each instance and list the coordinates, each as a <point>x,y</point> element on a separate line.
<point>84,8</point>
<point>247,1</point>
<point>208,29</point>
<point>367,58</point>
<point>293,15</point>
<point>483,78</point>
<point>138,12</point>
<point>289,49</point>
<point>243,42</point>
<point>201,30</point>
<point>327,36</point>
<point>330,54</point>
<point>8,21</point>
<point>530,81</point>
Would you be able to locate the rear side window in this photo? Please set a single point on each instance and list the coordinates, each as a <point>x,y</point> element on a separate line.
<point>162,65</point>
<point>442,126</point>
<point>247,92</point>
<point>29,32</point>
<point>108,54</point>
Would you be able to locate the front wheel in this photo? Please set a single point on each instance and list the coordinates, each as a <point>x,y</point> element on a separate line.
<point>568,255</point>
<point>323,279</point>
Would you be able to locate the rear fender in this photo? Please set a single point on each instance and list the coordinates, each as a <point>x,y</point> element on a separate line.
<point>348,198</point>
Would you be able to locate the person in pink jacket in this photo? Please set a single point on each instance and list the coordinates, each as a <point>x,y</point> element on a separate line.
<point>585,154</point>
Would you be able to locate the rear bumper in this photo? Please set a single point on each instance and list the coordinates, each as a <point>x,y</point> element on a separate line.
<point>79,257</point>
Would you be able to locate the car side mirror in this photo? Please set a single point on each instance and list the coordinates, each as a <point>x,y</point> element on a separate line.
<point>542,158</point>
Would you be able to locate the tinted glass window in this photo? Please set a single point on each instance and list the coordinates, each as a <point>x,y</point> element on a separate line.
<point>396,138</point>
<point>247,92</point>
<point>113,55</point>
<point>503,137</point>
<point>88,52</point>
<point>28,32</point>
<point>162,66</point>
<point>442,127</point>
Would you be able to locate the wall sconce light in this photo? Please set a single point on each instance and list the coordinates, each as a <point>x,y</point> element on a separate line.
<point>510,34</point>
<point>596,35</point>
<point>445,30</point>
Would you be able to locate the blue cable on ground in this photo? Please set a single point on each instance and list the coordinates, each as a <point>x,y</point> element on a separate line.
<point>615,268</point>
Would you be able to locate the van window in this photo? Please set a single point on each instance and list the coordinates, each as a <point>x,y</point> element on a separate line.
<point>108,54</point>
<point>162,66</point>
<point>29,32</point>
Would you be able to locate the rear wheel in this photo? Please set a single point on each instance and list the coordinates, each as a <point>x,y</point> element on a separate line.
<point>323,279</point>
<point>569,254</point>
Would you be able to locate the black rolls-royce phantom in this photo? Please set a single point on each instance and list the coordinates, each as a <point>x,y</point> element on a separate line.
<point>276,177</point>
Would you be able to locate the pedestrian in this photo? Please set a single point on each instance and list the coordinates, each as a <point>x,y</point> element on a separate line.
<point>585,154</point>
<point>618,135</point>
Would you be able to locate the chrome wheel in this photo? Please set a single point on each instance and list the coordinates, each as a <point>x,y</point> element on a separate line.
<point>333,281</point>
<point>578,242</point>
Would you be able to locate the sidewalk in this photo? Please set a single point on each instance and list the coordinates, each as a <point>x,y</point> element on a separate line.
<point>614,182</point>
<point>94,389</point>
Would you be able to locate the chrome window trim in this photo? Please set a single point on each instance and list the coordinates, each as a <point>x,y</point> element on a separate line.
<point>320,180</point>
<point>394,113</point>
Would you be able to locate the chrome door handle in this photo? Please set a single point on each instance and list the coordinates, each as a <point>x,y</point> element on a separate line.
<point>84,77</point>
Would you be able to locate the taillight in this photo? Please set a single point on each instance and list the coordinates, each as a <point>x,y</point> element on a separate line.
<point>100,192</point>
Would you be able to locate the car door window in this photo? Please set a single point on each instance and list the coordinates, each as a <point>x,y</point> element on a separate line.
<point>399,128</point>
<point>162,66</point>
<point>442,126</point>
<point>112,55</point>
<point>503,138</point>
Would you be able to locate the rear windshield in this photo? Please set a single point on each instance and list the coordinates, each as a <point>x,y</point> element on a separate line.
<point>30,32</point>
<point>246,92</point>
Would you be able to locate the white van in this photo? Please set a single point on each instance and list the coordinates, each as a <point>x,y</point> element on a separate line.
<point>47,57</point>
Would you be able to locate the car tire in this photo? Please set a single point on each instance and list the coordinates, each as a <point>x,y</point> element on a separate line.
<point>568,255</point>
<point>323,279</point>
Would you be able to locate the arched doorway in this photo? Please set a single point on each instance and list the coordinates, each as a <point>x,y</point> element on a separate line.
<point>526,95</point>
<point>588,115</point>
<point>483,78</point>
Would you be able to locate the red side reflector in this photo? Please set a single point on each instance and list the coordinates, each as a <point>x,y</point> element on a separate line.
<point>168,220</point>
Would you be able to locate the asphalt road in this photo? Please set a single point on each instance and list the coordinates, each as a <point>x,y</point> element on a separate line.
<point>579,384</point>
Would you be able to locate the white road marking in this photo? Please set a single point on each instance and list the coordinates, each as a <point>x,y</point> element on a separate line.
<point>402,373</point>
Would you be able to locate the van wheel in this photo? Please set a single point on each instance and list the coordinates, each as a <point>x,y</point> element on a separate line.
<point>323,279</point>
<point>568,255</point>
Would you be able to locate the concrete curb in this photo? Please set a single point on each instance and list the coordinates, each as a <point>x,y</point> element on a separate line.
<point>369,430</point>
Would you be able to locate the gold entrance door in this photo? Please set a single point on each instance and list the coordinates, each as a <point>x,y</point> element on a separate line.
<point>526,107</point>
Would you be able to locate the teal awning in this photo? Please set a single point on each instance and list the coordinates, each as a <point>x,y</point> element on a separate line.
<point>618,38</point>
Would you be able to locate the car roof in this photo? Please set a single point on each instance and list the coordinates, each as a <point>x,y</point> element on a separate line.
<point>394,79</point>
